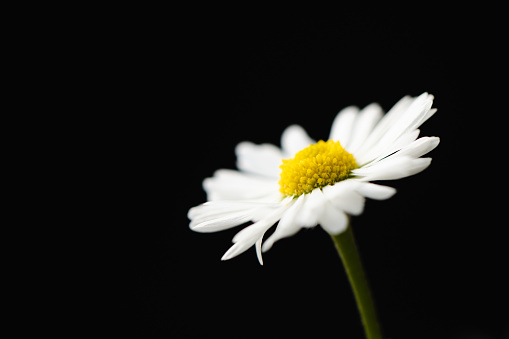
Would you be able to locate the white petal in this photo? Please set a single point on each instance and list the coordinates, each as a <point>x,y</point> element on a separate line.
<point>333,220</point>
<point>294,139</point>
<point>228,184</point>
<point>376,154</point>
<point>342,125</point>
<point>366,120</point>
<point>220,223</point>
<point>407,122</point>
<point>259,159</point>
<point>312,209</point>
<point>287,226</point>
<point>206,209</point>
<point>393,168</point>
<point>256,230</point>
<point>251,234</point>
<point>419,147</point>
<point>374,191</point>
<point>343,196</point>
<point>258,246</point>
<point>216,216</point>
<point>211,208</point>
<point>410,120</point>
<point>428,115</point>
<point>392,116</point>
<point>236,249</point>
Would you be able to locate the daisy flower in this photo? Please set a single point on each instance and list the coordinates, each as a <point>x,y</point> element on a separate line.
<point>307,183</point>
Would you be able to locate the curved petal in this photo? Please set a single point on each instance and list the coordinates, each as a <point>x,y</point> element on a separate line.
<point>221,222</point>
<point>251,234</point>
<point>228,184</point>
<point>408,122</point>
<point>258,246</point>
<point>287,226</point>
<point>341,129</point>
<point>374,191</point>
<point>343,196</point>
<point>365,121</point>
<point>312,209</point>
<point>419,147</point>
<point>333,221</point>
<point>393,115</point>
<point>393,168</point>
<point>294,139</point>
<point>382,152</point>
<point>259,159</point>
<point>216,216</point>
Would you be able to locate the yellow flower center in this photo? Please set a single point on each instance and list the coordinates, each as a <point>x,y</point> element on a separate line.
<point>316,166</point>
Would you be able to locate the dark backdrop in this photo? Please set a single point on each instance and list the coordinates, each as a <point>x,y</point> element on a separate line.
<point>435,253</point>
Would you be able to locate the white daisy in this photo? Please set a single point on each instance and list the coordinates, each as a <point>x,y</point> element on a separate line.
<point>307,183</point>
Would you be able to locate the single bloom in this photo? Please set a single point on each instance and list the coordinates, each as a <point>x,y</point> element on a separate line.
<point>307,183</point>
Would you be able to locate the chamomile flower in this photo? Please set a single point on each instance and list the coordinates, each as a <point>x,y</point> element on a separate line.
<point>307,183</point>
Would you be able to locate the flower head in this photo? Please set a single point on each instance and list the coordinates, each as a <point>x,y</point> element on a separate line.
<point>316,166</point>
<point>306,183</point>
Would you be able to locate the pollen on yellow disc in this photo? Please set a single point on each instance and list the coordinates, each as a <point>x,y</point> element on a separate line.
<point>316,166</point>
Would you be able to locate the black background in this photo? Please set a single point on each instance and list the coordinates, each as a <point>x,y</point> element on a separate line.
<point>435,253</point>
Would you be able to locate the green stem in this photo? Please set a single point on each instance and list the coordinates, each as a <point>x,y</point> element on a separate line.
<point>347,249</point>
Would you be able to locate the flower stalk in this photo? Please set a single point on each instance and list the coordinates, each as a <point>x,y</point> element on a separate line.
<point>347,249</point>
